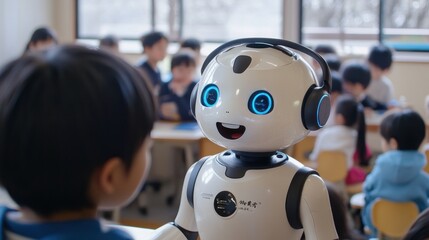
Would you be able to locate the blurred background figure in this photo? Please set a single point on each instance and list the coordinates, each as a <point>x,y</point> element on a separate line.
<point>155,49</point>
<point>41,39</point>
<point>379,62</point>
<point>110,43</point>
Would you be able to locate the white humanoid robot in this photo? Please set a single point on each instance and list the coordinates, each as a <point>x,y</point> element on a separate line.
<point>256,97</point>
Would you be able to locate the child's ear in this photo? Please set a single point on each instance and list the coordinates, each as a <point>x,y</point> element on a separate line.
<point>393,144</point>
<point>111,174</point>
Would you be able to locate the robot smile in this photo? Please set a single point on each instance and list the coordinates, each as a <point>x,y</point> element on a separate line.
<point>230,131</point>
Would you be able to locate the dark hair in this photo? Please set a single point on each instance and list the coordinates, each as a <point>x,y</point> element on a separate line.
<point>41,34</point>
<point>356,73</point>
<point>420,228</point>
<point>333,61</point>
<point>406,127</point>
<point>339,214</point>
<point>353,114</point>
<point>182,58</point>
<point>150,39</point>
<point>109,41</point>
<point>337,85</point>
<point>63,114</point>
<point>380,56</point>
<point>325,49</point>
<point>191,43</point>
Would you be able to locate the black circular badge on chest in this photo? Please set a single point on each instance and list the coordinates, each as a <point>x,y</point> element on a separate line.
<point>225,204</point>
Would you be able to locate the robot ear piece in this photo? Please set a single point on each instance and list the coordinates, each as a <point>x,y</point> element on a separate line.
<point>194,99</point>
<point>315,108</point>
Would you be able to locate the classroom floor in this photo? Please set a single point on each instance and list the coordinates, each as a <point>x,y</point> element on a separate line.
<point>158,211</point>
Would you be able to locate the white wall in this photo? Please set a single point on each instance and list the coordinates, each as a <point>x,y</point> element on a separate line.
<point>18,19</point>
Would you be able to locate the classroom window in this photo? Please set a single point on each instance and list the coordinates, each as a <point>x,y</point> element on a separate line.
<point>352,26</point>
<point>210,21</point>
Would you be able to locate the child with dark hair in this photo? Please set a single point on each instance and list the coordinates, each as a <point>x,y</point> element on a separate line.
<point>175,95</point>
<point>155,48</point>
<point>41,39</point>
<point>398,173</point>
<point>380,61</point>
<point>74,128</point>
<point>191,43</point>
<point>346,135</point>
<point>333,61</point>
<point>356,78</point>
<point>109,43</point>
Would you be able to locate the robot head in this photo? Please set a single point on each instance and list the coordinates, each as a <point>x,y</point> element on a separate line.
<point>256,95</point>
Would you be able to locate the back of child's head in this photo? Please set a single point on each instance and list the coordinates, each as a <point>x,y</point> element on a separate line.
<point>380,56</point>
<point>150,39</point>
<point>348,107</point>
<point>182,59</point>
<point>333,61</point>
<point>191,43</point>
<point>355,72</point>
<point>406,127</point>
<point>109,41</point>
<point>42,34</point>
<point>353,114</point>
<point>63,114</point>
<point>337,86</point>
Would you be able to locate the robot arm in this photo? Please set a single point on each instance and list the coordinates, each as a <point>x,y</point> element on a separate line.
<point>184,226</point>
<point>315,211</point>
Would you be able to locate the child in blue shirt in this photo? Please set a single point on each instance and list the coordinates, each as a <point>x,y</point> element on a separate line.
<point>74,124</point>
<point>398,173</point>
<point>175,95</point>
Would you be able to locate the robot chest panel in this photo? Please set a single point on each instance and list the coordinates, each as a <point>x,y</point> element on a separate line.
<point>252,206</point>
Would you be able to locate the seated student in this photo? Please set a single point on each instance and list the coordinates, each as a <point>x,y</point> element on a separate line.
<point>155,48</point>
<point>194,45</point>
<point>420,228</point>
<point>356,78</point>
<point>74,135</point>
<point>346,135</point>
<point>397,175</point>
<point>333,61</point>
<point>175,95</point>
<point>41,39</point>
<point>380,88</point>
<point>110,43</point>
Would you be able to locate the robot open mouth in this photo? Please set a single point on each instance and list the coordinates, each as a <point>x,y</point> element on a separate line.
<point>230,131</point>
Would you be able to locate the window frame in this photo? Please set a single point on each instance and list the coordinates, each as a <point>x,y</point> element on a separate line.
<point>367,36</point>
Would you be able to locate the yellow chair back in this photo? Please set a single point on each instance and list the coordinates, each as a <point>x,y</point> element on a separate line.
<point>393,219</point>
<point>332,166</point>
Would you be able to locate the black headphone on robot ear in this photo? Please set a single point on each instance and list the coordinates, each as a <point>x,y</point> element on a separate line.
<point>316,102</point>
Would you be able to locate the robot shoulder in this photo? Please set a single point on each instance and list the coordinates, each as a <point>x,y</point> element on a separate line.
<point>293,198</point>
<point>193,174</point>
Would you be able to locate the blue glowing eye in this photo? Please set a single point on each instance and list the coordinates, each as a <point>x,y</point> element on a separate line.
<point>210,95</point>
<point>261,103</point>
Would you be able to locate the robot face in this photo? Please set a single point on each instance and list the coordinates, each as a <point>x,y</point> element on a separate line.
<point>250,99</point>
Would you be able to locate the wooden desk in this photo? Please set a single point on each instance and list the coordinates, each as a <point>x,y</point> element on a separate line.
<point>182,135</point>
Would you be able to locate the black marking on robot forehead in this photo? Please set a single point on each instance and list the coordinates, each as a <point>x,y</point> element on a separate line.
<point>241,63</point>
